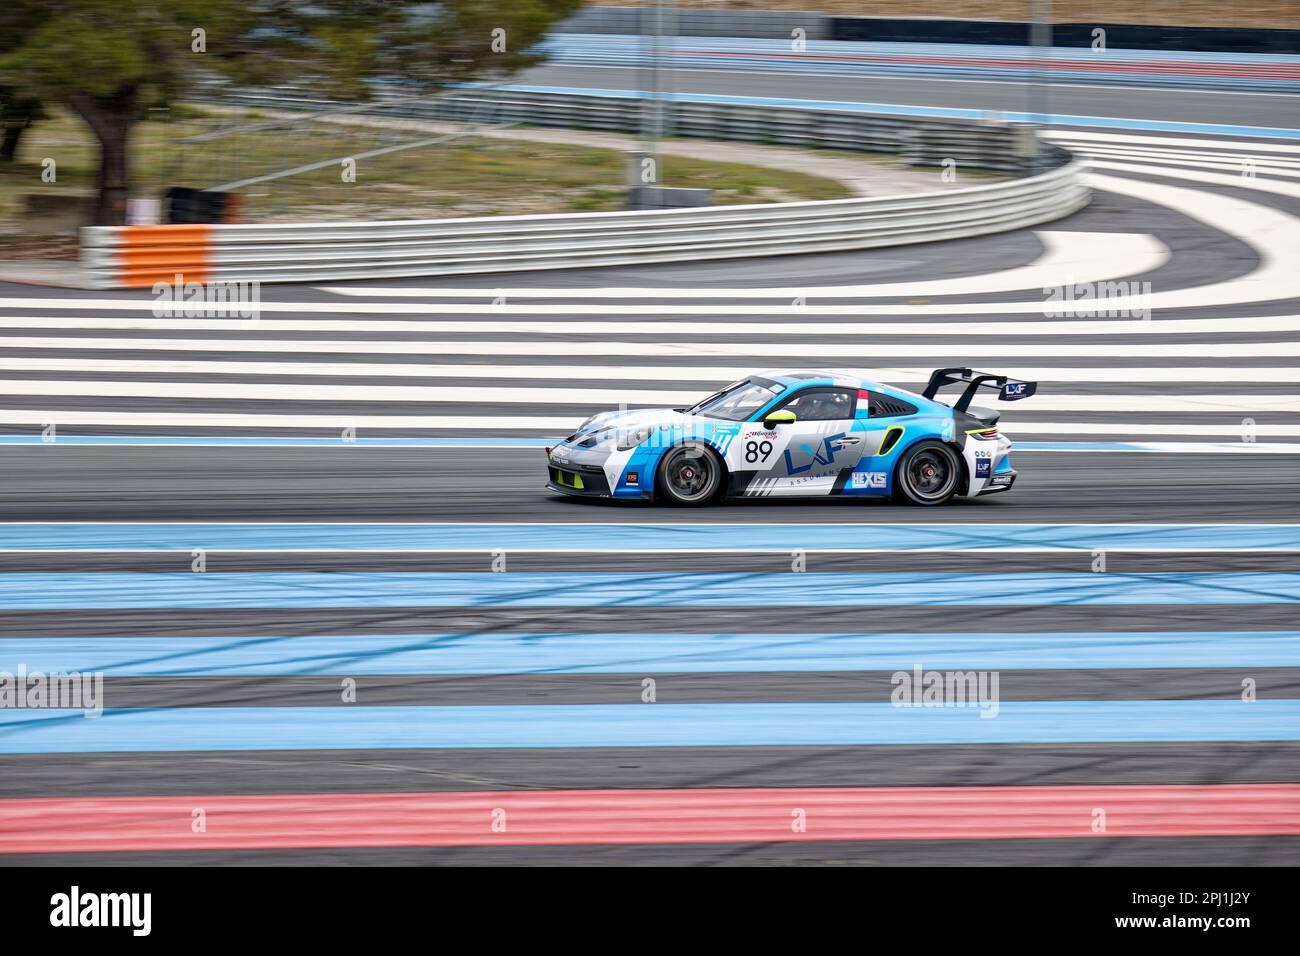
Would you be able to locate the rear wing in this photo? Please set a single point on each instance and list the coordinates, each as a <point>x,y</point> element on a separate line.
<point>1009,389</point>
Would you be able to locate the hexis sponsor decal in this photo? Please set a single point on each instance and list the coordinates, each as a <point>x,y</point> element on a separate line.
<point>870,479</point>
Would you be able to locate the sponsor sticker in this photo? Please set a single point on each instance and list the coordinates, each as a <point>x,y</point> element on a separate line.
<point>869,479</point>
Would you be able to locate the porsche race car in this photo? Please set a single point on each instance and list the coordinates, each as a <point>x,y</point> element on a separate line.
<point>798,433</point>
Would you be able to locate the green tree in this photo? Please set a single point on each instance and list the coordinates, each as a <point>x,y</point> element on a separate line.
<point>109,61</point>
<point>17,112</point>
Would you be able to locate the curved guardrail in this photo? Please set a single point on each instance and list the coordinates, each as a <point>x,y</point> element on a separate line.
<point>140,256</point>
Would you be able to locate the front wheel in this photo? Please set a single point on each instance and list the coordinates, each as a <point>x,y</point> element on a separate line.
<point>689,476</point>
<point>927,474</point>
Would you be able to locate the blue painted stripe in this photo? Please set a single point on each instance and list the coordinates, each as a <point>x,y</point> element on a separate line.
<point>592,537</point>
<point>896,109</point>
<point>612,653</point>
<point>33,591</point>
<point>641,725</point>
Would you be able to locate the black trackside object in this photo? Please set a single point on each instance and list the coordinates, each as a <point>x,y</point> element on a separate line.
<point>1009,389</point>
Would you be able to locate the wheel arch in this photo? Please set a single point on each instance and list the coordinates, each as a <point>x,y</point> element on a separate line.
<point>724,473</point>
<point>959,453</point>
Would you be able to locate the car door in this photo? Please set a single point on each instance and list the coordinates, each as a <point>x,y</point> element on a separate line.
<point>882,423</point>
<point>805,457</point>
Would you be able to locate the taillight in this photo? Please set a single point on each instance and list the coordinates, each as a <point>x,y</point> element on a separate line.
<point>987,433</point>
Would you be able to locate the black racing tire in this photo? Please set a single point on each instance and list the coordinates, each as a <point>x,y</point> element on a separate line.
<point>689,476</point>
<point>928,473</point>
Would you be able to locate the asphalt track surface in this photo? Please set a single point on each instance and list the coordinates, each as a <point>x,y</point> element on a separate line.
<point>71,483</point>
<point>665,701</point>
<point>1185,106</point>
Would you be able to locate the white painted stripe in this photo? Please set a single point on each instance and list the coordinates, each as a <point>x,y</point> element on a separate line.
<point>690,350</point>
<point>1155,166</point>
<point>1206,430</point>
<point>1067,256</point>
<point>668,373</point>
<point>665,327</point>
<point>557,425</point>
<point>1236,145</point>
<point>248,391</point>
<point>604,397</point>
<point>1280,166</point>
<point>556,314</point>
<point>1192,448</point>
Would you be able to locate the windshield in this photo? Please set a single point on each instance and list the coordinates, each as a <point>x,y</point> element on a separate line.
<point>736,403</point>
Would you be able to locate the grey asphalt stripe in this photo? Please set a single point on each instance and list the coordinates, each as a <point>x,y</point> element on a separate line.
<point>923,358</point>
<point>1081,851</point>
<point>1248,194</point>
<point>360,483</point>
<point>987,562</point>
<point>577,411</point>
<point>704,385</point>
<point>747,328</point>
<point>1126,102</point>
<point>186,773</point>
<point>1011,619</point>
<point>748,332</point>
<point>253,434</point>
<point>464,690</point>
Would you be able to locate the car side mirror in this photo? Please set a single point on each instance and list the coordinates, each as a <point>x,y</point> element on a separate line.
<point>783,417</point>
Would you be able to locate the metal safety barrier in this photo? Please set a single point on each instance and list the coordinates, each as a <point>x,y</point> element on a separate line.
<point>141,256</point>
<point>982,143</point>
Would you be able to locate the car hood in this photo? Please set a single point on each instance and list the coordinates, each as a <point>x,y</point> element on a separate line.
<point>634,418</point>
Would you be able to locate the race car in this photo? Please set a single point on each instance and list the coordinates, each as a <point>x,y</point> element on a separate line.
<point>797,433</point>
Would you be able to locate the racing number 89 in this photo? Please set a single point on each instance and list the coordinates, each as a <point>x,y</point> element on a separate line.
<point>758,452</point>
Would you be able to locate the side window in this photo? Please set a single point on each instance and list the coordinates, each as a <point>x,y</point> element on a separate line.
<point>822,404</point>
<point>885,406</point>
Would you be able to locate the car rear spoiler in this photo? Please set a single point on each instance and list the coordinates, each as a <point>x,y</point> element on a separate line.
<point>1009,389</point>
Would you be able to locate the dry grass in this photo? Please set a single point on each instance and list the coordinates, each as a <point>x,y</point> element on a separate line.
<point>469,177</point>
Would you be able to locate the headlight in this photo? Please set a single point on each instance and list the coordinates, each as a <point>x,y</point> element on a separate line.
<point>630,439</point>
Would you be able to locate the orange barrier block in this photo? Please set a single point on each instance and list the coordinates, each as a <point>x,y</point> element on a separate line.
<point>149,254</point>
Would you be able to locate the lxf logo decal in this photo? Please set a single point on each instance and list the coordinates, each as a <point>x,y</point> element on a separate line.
<point>983,464</point>
<point>824,457</point>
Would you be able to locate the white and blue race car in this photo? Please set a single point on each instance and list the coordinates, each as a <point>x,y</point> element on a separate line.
<point>797,433</point>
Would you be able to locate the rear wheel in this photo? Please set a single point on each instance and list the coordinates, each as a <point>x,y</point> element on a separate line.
<point>927,474</point>
<point>689,476</point>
